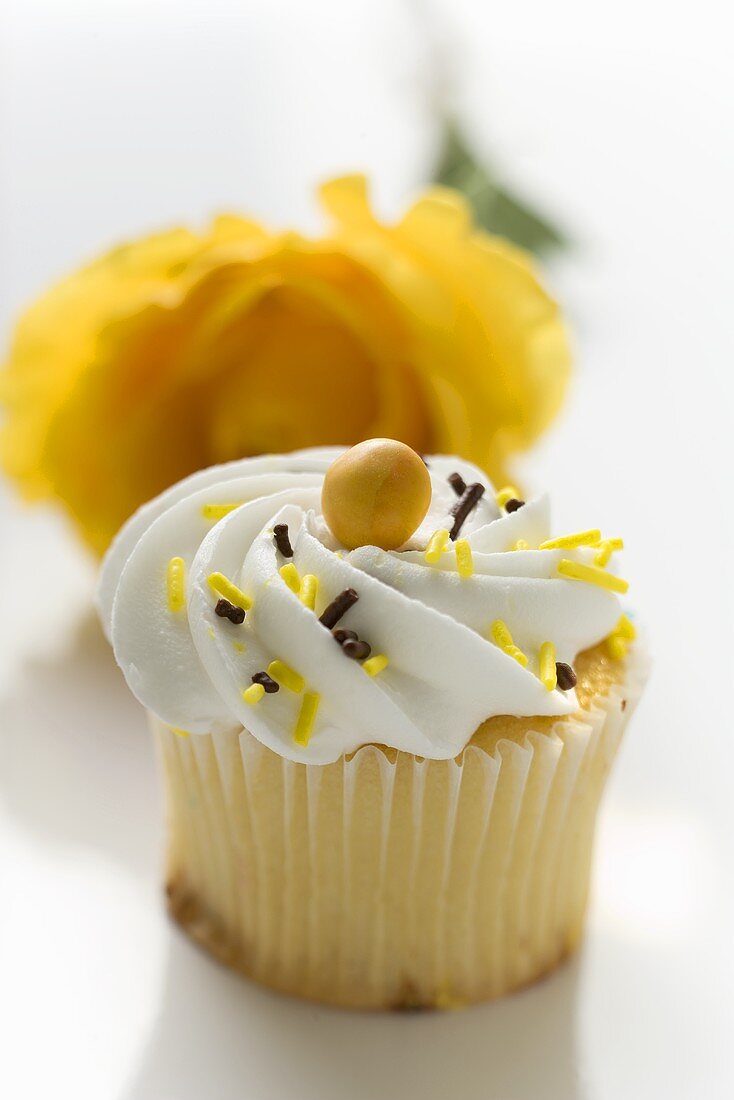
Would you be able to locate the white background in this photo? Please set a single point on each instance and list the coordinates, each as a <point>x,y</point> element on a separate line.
<point>119,116</point>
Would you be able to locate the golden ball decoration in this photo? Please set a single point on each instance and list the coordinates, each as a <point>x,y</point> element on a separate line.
<point>376,494</point>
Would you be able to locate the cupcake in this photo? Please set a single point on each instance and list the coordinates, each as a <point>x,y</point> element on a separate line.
<point>386,701</point>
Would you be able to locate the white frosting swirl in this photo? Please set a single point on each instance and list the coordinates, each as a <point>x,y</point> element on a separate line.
<point>444,676</point>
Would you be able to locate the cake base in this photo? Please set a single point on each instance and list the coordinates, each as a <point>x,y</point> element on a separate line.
<point>385,881</point>
<point>207,934</point>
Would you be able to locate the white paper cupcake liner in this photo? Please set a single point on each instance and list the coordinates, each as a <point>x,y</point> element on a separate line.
<point>384,880</point>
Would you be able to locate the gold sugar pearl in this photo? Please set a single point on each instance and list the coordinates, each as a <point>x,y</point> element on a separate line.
<point>376,494</point>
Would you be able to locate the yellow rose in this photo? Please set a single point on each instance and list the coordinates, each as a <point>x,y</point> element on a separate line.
<point>185,349</point>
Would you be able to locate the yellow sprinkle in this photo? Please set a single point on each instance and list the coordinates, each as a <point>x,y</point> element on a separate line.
<point>521,545</point>
<point>625,628</point>
<point>224,587</point>
<point>604,554</point>
<point>175,584</point>
<point>286,676</point>
<point>238,647</point>
<point>548,665</point>
<point>568,542</point>
<point>253,694</point>
<point>376,664</point>
<point>178,732</point>
<point>592,574</point>
<point>210,632</point>
<point>306,717</point>
<point>464,560</point>
<point>309,588</point>
<point>290,575</point>
<point>218,511</point>
<point>508,493</point>
<point>501,636</point>
<point>606,549</point>
<point>623,633</point>
<point>436,545</point>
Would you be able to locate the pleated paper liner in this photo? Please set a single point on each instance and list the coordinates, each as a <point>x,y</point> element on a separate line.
<point>385,880</point>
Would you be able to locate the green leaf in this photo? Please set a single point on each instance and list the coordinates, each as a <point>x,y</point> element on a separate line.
<point>495,208</point>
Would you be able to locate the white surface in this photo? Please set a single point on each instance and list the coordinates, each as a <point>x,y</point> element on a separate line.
<point>121,115</point>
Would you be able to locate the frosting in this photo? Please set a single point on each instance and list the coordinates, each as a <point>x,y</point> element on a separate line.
<point>459,630</point>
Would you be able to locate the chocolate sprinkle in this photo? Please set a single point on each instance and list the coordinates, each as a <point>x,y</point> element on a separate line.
<point>469,500</point>
<point>226,610</point>
<point>352,645</point>
<point>565,676</point>
<point>457,483</point>
<point>267,682</point>
<point>356,649</point>
<point>282,541</point>
<point>338,607</point>
<point>514,505</point>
